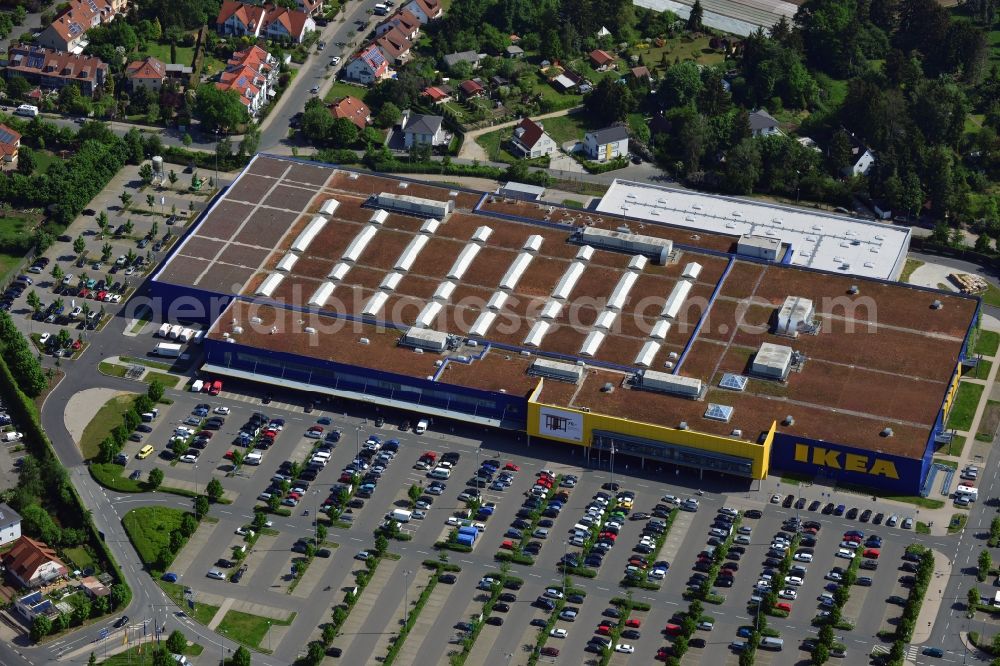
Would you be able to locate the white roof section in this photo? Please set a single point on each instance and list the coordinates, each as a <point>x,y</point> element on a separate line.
<point>483,323</point>
<point>307,235</point>
<point>516,270</point>
<point>660,329</point>
<point>606,320</point>
<point>391,281</point>
<point>339,270</point>
<point>691,271</point>
<point>591,344</point>
<point>287,262</point>
<point>558,370</point>
<point>551,310</point>
<point>463,261</point>
<point>430,226</point>
<point>536,333</point>
<point>568,280</point>
<point>329,207</point>
<point>534,243</point>
<point>585,253</point>
<point>409,255</point>
<point>618,297</point>
<point>637,263</point>
<point>359,243</point>
<point>819,240</point>
<point>379,216</point>
<point>676,299</point>
<point>375,303</point>
<point>444,291</point>
<point>647,354</point>
<point>482,234</point>
<point>322,294</point>
<point>428,314</point>
<point>269,284</point>
<point>497,301</point>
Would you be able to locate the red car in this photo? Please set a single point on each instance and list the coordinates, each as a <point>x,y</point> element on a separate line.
<point>783,606</point>
<point>346,477</point>
<point>430,454</point>
<point>852,538</point>
<point>207,434</point>
<point>871,553</point>
<point>511,467</point>
<point>662,654</point>
<point>99,296</point>
<point>673,629</point>
<point>508,544</point>
<point>229,455</point>
<point>84,293</point>
<point>550,651</point>
<point>634,623</point>
<point>604,630</point>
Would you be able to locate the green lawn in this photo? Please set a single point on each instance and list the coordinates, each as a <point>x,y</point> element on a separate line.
<point>112,369</point>
<point>496,143</point>
<point>14,225</point>
<point>983,369</point>
<point>911,265</point>
<point>149,529</point>
<point>567,128</point>
<point>947,463</point>
<point>185,54</point>
<point>986,343</point>
<point>146,362</point>
<point>678,48</point>
<point>964,406</point>
<point>991,296</point>
<point>340,89</point>
<point>990,421</point>
<point>112,476</point>
<point>44,159</point>
<point>248,629</point>
<point>104,421</point>
<point>202,613</point>
<point>168,381</point>
<point>133,656</point>
<point>80,558</point>
<point>955,448</point>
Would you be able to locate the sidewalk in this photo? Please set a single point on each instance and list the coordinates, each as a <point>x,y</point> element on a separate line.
<point>932,599</point>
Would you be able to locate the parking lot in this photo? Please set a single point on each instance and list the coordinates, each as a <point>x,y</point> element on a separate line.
<point>268,578</point>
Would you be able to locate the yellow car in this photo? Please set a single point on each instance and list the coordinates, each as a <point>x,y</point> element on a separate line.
<point>144,452</point>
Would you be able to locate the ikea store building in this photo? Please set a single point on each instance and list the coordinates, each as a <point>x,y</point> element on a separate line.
<point>685,330</point>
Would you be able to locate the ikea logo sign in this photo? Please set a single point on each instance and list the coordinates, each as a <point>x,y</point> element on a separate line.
<point>848,462</point>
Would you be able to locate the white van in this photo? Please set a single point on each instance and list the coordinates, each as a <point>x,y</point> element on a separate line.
<point>164,329</point>
<point>769,643</point>
<point>27,110</point>
<point>253,458</point>
<point>197,385</point>
<point>421,427</point>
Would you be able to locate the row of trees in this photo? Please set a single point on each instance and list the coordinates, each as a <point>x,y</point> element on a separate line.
<point>20,358</point>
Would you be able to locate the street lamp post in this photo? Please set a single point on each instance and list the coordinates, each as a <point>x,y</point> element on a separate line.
<point>612,466</point>
<point>406,597</point>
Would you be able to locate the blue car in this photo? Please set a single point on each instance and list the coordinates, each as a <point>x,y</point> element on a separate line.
<point>744,632</point>
<point>169,577</point>
<point>324,420</point>
<point>839,511</point>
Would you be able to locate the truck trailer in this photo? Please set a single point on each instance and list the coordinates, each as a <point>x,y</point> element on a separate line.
<point>167,349</point>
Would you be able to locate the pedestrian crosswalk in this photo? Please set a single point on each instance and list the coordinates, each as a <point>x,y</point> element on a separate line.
<point>252,399</point>
<point>911,652</point>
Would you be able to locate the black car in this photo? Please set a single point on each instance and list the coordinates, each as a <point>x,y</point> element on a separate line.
<point>501,607</point>
<point>511,584</point>
<point>142,427</point>
<point>752,513</point>
<point>379,421</point>
<point>871,565</point>
<point>733,556</point>
<point>575,599</point>
<point>223,563</point>
<point>772,562</point>
<point>801,503</point>
<point>447,579</point>
<point>852,514</point>
<point>323,552</point>
<point>121,622</point>
<point>612,612</point>
<point>520,524</point>
<point>135,437</point>
<point>866,515</point>
<point>508,597</point>
<point>632,634</point>
<point>863,581</point>
<point>538,622</point>
<point>495,620</point>
<point>828,509</point>
<point>614,487</point>
<point>789,499</point>
<point>238,576</point>
<point>299,547</point>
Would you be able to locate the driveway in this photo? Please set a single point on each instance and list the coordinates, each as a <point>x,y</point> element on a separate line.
<point>473,151</point>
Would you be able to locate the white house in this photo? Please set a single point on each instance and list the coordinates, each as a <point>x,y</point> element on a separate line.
<point>420,129</point>
<point>33,563</point>
<point>606,144</point>
<point>862,159</point>
<point>10,525</point>
<point>763,123</point>
<point>367,66</point>
<point>531,140</point>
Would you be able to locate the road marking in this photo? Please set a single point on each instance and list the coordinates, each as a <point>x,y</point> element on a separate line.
<point>742,617</point>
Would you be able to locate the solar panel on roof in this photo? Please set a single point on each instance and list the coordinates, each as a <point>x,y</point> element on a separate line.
<point>719,412</point>
<point>733,382</point>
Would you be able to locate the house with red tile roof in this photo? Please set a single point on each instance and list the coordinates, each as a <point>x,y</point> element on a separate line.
<point>395,46</point>
<point>251,73</point>
<point>55,69</point>
<point>10,143</point>
<point>438,94</point>
<point>149,73</point>
<point>32,563</point>
<point>601,60</point>
<point>404,21</point>
<point>531,140</point>
<point>424,10</point>
<point>471,89</point>
<point>354,110</point>
<point>310,7</point>
<point>641,72</point>
<point>267,21</point>
<point>368,66</point>
<point>67,32</point>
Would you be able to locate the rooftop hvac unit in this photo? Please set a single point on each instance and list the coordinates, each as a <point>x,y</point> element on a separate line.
<point>683,425</point>
<point>658,249</point>
<point>329,207</point>
<point>497,301</point>
<point>662,382</point>
<point>379,217</point>
<point>364,341</point>
<point>482,234</point>
<point>533,244</point>
<point>886,432</point>
<point>672,356</point>
<point>237,330</point>
<point>788,421</point>
<point>253,320</point>
<point>309,329</point>
<point>772,361</point>
<point>691,271</point>
<point>516,270</point>
<point>608,388</point>
<point>853,290</point>
<point>425,338</point>
<point>374,304</point>
<point>413,205</point>
<point>563,372</point>
<point>936,305</point>
<point>568,280</point>
<point>794,315</point>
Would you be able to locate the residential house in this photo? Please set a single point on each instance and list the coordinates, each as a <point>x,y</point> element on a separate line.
<point>354,110</point>
<point>94,588</point>
<point>54,69</point>
<point>420,129</point>
<point>438,94</point>
<point>395,46</point>
<point>404,21</point>
<point>601,60</point>
<point>10,521</point>
<point>531,140</point>
<point>10,144</point>
<point>310,7</point>
<point>267,21</point>
<point>32,563</point>
<point>471,57</point>
<point>32,605</point>
<point>471,89</point>
<point>641,73</point>
<point>606,144</point>
<point>424,10</point>
<point>763,123</point>
<point>514,51</point>
<point>862,159</point>
<point>252,73</point>
<point>368,66</point>
<point>149,73</point>
<point>68,31</point>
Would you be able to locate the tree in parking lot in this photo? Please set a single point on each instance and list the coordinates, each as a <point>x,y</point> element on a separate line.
<point>985,563</point>
<point>154,229</point>
<point>329,633</point>
<point>128,227</point>
<point>241,657</point>
<point>180,447</point>
<point>155,390</point>
<point>339,616</point>
<point>172,177</point>
<point>34,302</point>
<point>259,519</point>
<point>321,533</point>
<point>79,245</point>
<point>821,654</point>
<point>150,201</point>
<point>126,199</point>
<point>57,273</point>
<point>315,653</point>
<point>414,492</point>
<point>106,251</point>
<point>273,502</point>
<point>214,490</point>
<point>155,478</point>
<point>189,524</point>
<point>381,545</point>
<point>176,642</point>
<point>200,506</point>
<point>237,458</point>
<point>973,597</point>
